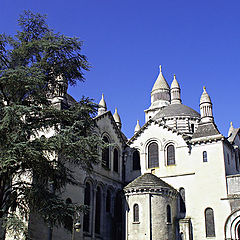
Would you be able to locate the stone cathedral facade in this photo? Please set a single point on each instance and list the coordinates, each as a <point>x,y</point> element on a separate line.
<point>176,178</point>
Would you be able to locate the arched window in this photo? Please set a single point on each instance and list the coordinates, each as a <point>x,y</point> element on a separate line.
<point>204,156</point>
<point>117,227</point>
<point>135,213</point>
<point>192,128</point>
<point>69,220</point>
<point>115,160</point>
<point>108,201</point>
<point>236,161</point>
<point>238,231</point>
<point>87,202</point>
<point>209,222</point>
<point>153,155</point>
<point>182,200</point>
<point>170,155</point>
<point>98,211</point>
<point>106,153</point>
<point>68,201</point>
<point>169,214</point>
<point>136,160</point>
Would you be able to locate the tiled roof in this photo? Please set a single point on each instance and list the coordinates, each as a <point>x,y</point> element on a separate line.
<point>205,130</point>
<point>148,180</point>
<point>175,110</point>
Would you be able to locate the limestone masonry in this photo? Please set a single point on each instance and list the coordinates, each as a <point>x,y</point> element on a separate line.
<point>176,178</point>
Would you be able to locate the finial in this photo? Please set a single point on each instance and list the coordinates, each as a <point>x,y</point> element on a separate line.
<point>116,110</point>
<point>160,67</point>
<point>137,127</point>
<point>174,76</point>
<point>204,88</point>
<point>231,129</point>
<point>102,95</point>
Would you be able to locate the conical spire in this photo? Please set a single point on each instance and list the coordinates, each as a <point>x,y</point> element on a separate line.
<point>206,107</point>
<point>161,82</point>
<point>160,95</point>
<point>138,127</point>
<point>175,92</point>
<point>102,106</point>
<point>117,119</point>
<point>230,131</point>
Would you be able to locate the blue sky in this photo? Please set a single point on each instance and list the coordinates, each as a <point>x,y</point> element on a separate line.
<point>126,41</point>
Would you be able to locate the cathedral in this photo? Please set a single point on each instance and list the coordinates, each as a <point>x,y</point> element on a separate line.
<point>176,178</point>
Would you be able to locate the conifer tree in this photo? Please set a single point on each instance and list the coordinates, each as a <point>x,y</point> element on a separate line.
<point>40,142</point>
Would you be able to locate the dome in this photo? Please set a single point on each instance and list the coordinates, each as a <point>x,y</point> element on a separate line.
<point>177,110</point>
<point>148,180</point>
<point>205,97</point>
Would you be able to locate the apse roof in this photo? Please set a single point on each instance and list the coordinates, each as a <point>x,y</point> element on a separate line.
<point>148,180</point>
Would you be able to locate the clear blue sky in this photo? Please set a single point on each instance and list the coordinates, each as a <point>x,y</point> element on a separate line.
<point>126,40</point>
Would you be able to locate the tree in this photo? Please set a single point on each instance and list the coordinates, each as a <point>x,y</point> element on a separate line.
<point>39,140</point>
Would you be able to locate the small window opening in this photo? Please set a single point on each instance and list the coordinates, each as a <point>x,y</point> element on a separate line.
<point>205,156</point>
<point>106,153</point>
<point>136,160</point>
<point>68,201</point>
<point>209,222</point>
<point>169,217</point>
<point>170,155</point>
<point>192,128</point>
<point>182,200</point>
<point>108,201</point>
<point>135,213</point>
<point>115,160</point>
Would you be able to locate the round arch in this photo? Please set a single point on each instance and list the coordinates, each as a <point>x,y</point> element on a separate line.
<point>232,225</point>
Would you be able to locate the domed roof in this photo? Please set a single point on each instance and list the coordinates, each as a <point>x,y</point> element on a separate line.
<point>175,83</point>
<point>205,97</point>
<point>160,83</point>
<point>148,180</point>
<point>177,110</point>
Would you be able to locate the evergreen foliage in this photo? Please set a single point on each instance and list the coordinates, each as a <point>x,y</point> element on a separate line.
<point>40,143</point>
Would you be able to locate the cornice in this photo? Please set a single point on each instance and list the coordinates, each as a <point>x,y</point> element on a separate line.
<point>150,190</point>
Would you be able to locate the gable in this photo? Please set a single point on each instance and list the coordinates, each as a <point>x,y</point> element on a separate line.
<point>155,131</point>
<point>237,139</point>
<point>106,125</point>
